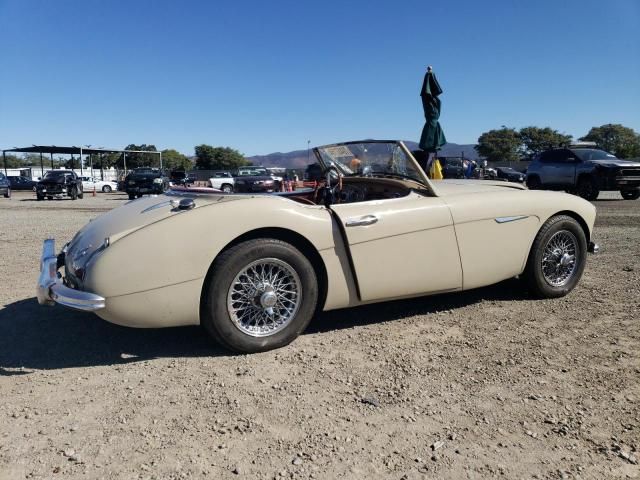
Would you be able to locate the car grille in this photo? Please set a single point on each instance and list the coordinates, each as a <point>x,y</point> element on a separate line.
<point>629,172</point>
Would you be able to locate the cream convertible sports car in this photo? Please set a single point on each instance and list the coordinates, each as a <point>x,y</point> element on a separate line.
<point>253,269</point>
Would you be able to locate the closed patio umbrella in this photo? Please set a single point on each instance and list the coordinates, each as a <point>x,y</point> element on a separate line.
<point>432,138</point>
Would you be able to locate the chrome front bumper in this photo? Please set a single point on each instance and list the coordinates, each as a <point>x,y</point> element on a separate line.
<point>52,290</point>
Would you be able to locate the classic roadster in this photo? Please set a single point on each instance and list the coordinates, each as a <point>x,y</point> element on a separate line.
<point>253,269</point>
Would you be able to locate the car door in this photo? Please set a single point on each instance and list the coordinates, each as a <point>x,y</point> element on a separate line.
<point>550,173</point>
<point>568,170</point>
<point>402,246</point>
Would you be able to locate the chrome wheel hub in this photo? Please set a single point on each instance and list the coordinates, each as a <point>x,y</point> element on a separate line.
<point>559,258</point>
<point>264,297</point>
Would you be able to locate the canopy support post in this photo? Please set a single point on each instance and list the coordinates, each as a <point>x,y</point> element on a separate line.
<point>4,161</point>
<point>81,174</point>
<point>51,155</point>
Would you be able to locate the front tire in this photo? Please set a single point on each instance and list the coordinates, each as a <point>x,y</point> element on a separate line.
<point>630,194</point>
<point>226,188</point>
<point>8,194</point>
<point>533,183</point>
<point>557,258</point>
<point>106,189</point>
<point>261,294</point>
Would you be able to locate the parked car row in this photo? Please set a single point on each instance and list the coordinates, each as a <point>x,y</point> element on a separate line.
<point>246,180</point>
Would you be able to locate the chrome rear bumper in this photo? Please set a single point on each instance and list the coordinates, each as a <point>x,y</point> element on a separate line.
<point>50,289</point>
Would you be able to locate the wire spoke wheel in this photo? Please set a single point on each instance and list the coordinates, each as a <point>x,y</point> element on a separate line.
<point>264,297</point>
<point>560,258</point>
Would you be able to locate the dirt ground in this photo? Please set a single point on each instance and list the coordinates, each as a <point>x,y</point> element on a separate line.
<point>482,384</point>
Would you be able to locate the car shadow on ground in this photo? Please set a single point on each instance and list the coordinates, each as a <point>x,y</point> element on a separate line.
<point>36,337</point>
<point>510,290</point>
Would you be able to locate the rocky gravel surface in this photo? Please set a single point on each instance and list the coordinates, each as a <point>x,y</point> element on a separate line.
<point>487,383</point>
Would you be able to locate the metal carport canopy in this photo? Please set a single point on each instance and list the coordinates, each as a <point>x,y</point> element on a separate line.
<point>51,149</point>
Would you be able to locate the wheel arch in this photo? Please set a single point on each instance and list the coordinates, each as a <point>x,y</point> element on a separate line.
<point>286,235</point>
<point>569,213</point>
<point>581,221</point>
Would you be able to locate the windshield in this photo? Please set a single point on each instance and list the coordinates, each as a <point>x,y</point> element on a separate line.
<point>587,154</point>
<point>370,159</point>
<point>52,174</point>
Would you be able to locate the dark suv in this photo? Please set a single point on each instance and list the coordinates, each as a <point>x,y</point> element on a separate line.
<point>585,172</point>
<point>145,180</point>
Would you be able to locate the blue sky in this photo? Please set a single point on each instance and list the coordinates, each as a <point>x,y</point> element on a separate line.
<point>268,76</point>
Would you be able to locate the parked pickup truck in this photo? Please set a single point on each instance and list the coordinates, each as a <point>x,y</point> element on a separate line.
<point>222,181</point>
<point>585,172</point>
<point>58,184</point>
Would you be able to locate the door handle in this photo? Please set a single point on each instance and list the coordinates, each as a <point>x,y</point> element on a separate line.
<point>362,221</point>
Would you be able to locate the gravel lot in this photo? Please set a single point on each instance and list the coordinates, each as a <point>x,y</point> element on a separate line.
<point>482,384</point>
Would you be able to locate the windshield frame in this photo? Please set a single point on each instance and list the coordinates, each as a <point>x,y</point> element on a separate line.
<point>423,180</point>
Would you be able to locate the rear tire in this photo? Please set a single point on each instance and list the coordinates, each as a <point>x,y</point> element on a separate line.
<point>39,197</point>
<point>587,188</point>
<point>106,189</point>
<point>132,196</point>
<point>630,194</point>
<point>74,194</point>
<point>557,258</point>
<point>8,194</point>
<point>244,281</point>
<point>226,188</point>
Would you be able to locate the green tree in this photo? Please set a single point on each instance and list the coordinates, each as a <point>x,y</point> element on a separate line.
<point>172,159</point>
<point>12,161</point>
<point>501,145</point>
<point>218,158</point>
<point>622,141</point>
<point>135,160</point>
<point>535,139</point>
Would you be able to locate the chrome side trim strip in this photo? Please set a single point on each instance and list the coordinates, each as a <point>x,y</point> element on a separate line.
<point>511,219</point>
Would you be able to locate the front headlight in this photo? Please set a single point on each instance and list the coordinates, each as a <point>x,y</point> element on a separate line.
<point>157,180</point>
<point>79,258</point>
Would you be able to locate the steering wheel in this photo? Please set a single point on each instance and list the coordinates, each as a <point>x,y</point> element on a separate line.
<point>331,194</point>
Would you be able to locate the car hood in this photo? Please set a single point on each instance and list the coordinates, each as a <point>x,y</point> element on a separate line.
<point>254,178</point>
<point>143,176</point>
<point>445,188</point>
<point>616,163</point>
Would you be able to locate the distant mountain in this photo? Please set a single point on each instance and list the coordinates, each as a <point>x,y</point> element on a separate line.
<point>298,158</point>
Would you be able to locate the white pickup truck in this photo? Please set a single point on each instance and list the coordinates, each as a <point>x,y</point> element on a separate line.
<point>222,181</point>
